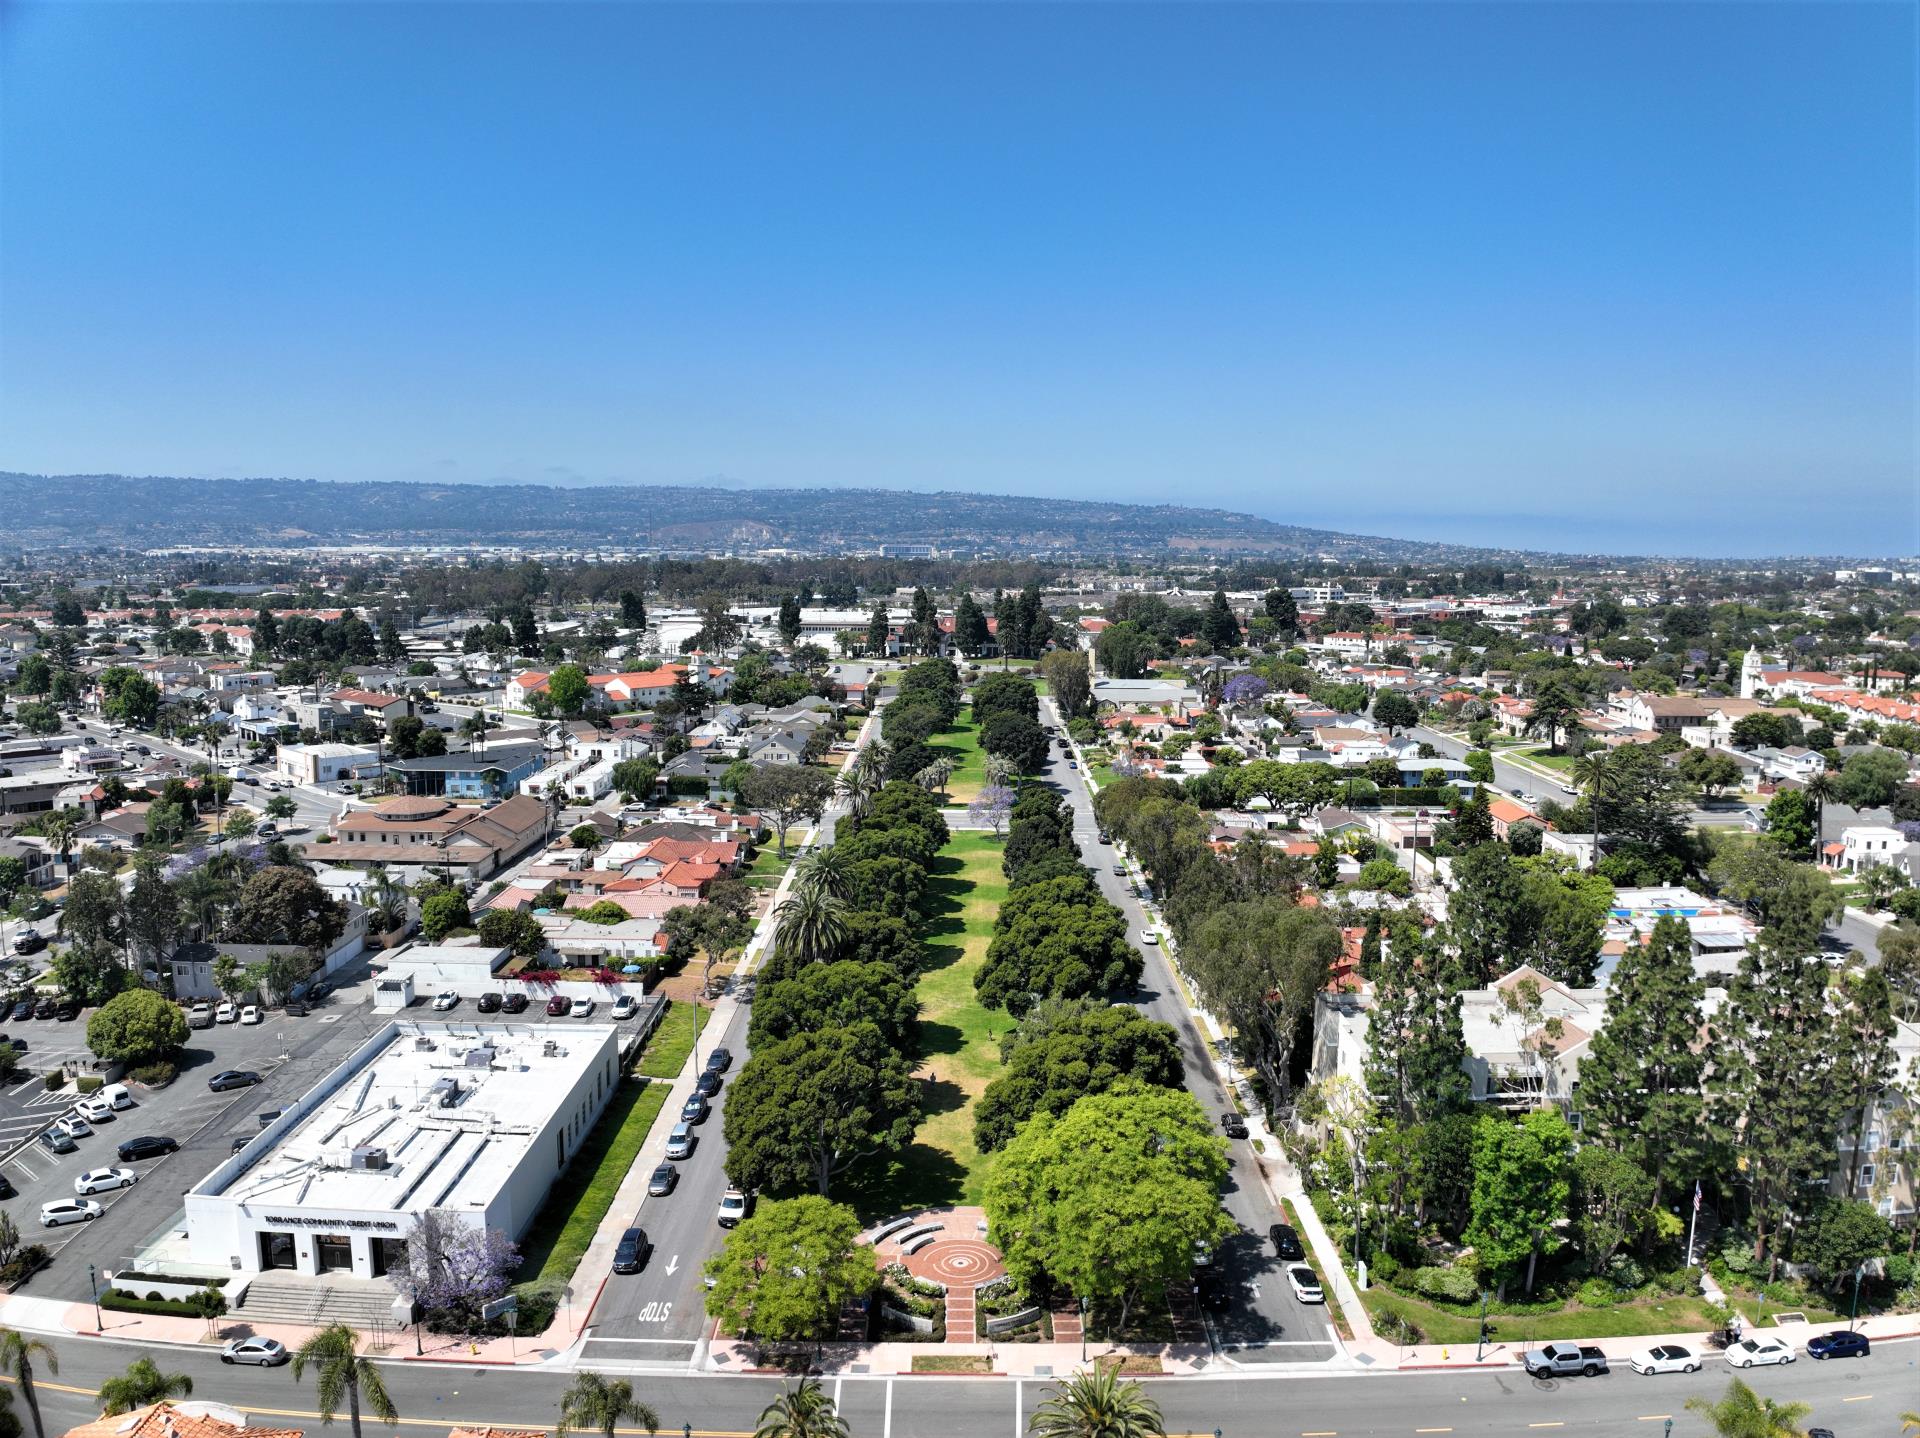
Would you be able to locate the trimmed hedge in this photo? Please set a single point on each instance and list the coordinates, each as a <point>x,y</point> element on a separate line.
<point>120,1301</point>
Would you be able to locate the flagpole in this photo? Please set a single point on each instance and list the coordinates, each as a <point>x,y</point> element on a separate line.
<point>1694,1222</point>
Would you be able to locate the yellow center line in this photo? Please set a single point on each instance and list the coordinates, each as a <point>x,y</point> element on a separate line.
<point>1859,1398</point>
<point>1555,1424</point>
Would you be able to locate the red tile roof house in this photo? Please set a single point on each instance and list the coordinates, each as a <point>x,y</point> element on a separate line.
<point>611,689</point>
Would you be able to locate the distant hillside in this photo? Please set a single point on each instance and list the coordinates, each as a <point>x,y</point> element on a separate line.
<point>119,510</point>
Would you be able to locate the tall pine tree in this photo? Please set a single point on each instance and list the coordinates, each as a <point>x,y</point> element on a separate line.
<point>1418,1049</point>
<point>1863,1030</point>
<point>1640,1079</point>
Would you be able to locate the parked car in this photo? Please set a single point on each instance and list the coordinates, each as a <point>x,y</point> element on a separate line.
<point>487,1003</point>
<point>267,1352</point>
<point>1841,1343</point>
<point>631,1254</point>
<point>1120,871</point>
<point>1561,1359</point>
<point>1760,1351</point>
<point>57,1140</point>
<point>1305,1284</point>
<point>227,1012</point>
<point>1286,1243</point>
<point>69,1210</point>
<point>240,1143</point>
<point>1233,1126</point>
<point>250,1014</point>
<point>665,1176</point>
<point>22,1010</point>
<point>559,1006</point>
<point>694,1110</point>
<point>444,1000</point>
<point>29,941</point>
<point>73,1125</point>
<point>583,1008</point>
<point>7,1190</point>
<point>104,1180</point>
<point>1149,937</point>
<point>626,1006</point>
<point>720,1060</point>
<point>734,1206</point>
<point>1214,1290</point>
<point>514,1004</point>
<point>46,1008</point>
<point>232,1078</point>
<point>1664,1358</point>
<point>95,1109</point>
<point>708,1083</point>
<point>68,1011</point>
<point>680,1142</point>
<point>200,1016</point>
<point>147,1146</point>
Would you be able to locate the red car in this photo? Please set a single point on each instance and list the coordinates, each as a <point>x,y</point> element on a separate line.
<point>559,1006</point>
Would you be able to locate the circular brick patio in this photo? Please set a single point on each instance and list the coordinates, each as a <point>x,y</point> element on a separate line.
<point>956,1262</point>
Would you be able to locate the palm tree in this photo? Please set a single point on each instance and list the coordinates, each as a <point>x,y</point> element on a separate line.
<point>1001,770</point>
<point>141,1386</point>
<point>340,1372</point>
<point>594,1403</point>
<point>60,829</point>
<point>387,901</point>
<point>934,777</point>
<point>17,1352</point>
<point>872,761</point>
<point>1745,1414</point>
<point>825,871</point>
<point>813,925</point>
<point>1097,1405</point>
<point>803,1412</point>
<point>1821,789</point>
<point>1592,773</point>
<point>856,786</point>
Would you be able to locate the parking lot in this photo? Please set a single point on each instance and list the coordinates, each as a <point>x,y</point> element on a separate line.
<point>291,1055</point>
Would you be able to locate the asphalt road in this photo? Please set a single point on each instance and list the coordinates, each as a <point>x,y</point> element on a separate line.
<point>1856,1399</point>
<point>1267,1324</point>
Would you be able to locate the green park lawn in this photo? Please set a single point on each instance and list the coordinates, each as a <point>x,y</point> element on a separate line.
<point>666,1052</point>
<point>768,868</point>
<point>1560,762</point>
<point>1439,1324</point>
<point>961,743</point>
<point>959,1040</point>
<point>581,1196</point>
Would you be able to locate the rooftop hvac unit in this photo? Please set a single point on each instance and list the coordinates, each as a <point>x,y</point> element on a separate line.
<point>445,1092</point>
<point>424,1045</point>
<point>369,1158</point>
<point>550,1049</point>
<point>481,1057</point>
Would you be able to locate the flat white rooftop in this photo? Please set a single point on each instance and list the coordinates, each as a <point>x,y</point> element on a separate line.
<point>440,1117</point>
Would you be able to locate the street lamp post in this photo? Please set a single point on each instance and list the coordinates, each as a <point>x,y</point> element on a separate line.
<point>93,1282</point>
<point>1854,1311</point>
<point>1083,1328</point>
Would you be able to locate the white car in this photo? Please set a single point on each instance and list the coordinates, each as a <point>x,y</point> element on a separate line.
<point>444,1000</point>
<point>1305,1284</point>
<point>734,1206</point>
<point>1149,937</point>
<point>104,1180</point>
<point>69,1210</point>
<point>1666,1358</point>
<point>626,1006</point>
<point>73,1126</point>
<point>267,1352</point>
<point>583,1008</point>
<point>1758,1352</point>
<point>95,1109</point>
<point>227,1012</point>
<point>250,1015</point>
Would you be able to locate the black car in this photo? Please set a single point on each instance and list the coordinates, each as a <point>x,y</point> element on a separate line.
<point>1286,1243</point>
<point>7,1190</point>
<point>1213,1289</point>
<point>1233,1126</point>
<point>720,1060</point>
<point>147,1146</point>
<point>232,1078</point>
<point>708,1083</point>
<point>631,1255</point>
<point>29,941</point>
<point>69,1010</point>
<point>22,1010</point>
<point>514,1004</point>
<point>694,1110</point>
<point>488,1003</point>
<point>319,991</point>
<point>663,1180</point>
<point>241,1142</point>
<point>295,1008</point>
<point>46,1008</point>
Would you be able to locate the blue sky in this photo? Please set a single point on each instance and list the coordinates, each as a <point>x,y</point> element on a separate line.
<point>1623,276</point>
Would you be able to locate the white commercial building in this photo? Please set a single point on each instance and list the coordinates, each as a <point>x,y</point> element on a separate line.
<point>325,763</point>
<point>471,1119</point>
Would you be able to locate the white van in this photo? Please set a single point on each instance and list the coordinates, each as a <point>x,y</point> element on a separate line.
<point>116,1094</point>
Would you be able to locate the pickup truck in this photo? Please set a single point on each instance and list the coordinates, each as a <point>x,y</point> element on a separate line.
<point>1558,1360</point>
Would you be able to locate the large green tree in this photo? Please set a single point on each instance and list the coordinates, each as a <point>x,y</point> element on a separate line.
<point>1520,1191</point>
<point>788,1269</point>
<point>1089,1050</point>
<point>835,996</point>
<point>806,1107</point>
<point>1055,938</point>
<point>136,1027</point>
<point>1109,1201</point>
<point>1260,963</point>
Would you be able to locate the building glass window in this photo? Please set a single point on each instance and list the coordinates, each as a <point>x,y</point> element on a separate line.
<point>335,1252</point>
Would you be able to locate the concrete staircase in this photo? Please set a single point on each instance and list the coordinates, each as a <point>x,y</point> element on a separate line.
<point>313,1302</point>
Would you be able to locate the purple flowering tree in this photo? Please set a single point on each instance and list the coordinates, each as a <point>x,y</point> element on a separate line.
<point>992,808</point>
<point>1245,689</point>
<point>454,1268</point>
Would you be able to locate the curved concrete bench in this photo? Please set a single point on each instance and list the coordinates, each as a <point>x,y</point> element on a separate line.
<point>907,1235</point>
<point>892,1225</point>
<point>915,1244</point>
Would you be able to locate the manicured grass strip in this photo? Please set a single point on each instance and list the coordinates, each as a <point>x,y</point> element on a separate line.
<point>581,1196</point>
<point>961,744</point>
<point>1626,1320</point>
<point>768,867</point>
<point>666,1052</point>
<point>959,1040</point>
<point>952,1363</point>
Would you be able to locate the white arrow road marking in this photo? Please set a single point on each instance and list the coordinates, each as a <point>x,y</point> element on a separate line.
<point>672,1264</point>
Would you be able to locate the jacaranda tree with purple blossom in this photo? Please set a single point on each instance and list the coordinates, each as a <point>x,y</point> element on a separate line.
<point>454,1268</point>
<point>1244,689</point>
<point>991,808</point>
